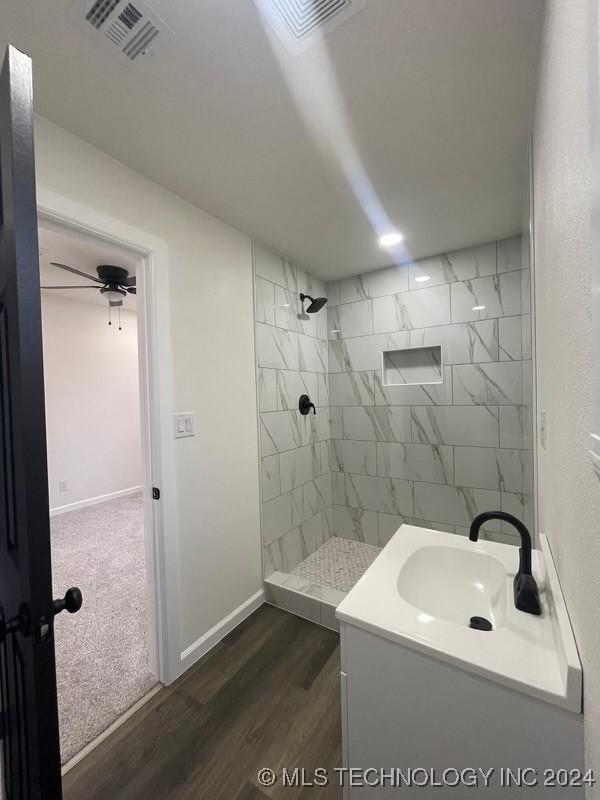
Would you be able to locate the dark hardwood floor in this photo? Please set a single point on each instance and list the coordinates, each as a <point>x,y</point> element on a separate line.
<point>266,696</point>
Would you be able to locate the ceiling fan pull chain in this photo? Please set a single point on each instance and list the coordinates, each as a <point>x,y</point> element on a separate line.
<point>119,313</point>
<point>109,320</point>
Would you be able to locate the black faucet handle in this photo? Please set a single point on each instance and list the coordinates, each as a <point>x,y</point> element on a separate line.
<point>304,405</point>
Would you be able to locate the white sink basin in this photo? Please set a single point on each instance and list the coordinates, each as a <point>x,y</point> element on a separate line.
<point>455,584</point>
<point>425,585</point>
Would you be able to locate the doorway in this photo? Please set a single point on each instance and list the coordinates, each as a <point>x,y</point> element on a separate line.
<point>101,512</point>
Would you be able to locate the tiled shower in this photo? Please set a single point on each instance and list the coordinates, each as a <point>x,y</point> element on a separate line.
<point>422,381</point>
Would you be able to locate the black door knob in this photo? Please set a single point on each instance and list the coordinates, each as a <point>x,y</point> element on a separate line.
<point>72,601</point>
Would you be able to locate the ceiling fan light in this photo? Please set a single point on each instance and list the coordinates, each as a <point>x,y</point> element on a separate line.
<point>112,294</point>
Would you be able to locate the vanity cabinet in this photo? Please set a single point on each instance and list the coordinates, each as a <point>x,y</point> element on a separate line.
<point>406,710</point>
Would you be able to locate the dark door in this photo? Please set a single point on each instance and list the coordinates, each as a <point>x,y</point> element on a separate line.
<point>29,724</point>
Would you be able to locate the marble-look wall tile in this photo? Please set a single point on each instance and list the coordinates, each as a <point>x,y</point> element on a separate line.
<point>280,515</point>
<point>435,394</point>
<point>486,468</point>
<point>270,480</point>
<point>362,353</point>
<point>317,426</point>
<point>390,280</point>
<point>356,523</point>
<point>452,504</point>
<point>520,506</point>
<point>335,418</point>
<point>312,354</point>
<point>316,495</point>
<point>292,384</point>
<point>461,265</point>
<point>376,424</point>
<point>313,533</point>
<point>351,389</point>
<point>466,343</point>
<point>510,254</point>
<point>511,338</point>
<point>462,343</point>
<point>276,348</point>
<point>303,464</point>
<point>323,390</point>
<point>515,427</point>
<point>417,309</point>
<point>355,457</point>
<point>268,265</point>
<point>416,462</point>
<point>404,453</point>
<point>338,488</point>
<point>389,524</point>
<point>332,292</point>
<point>275,268</point>
<point>484,298</point>
<point>353,319</point>
<point>265,301</point>
<point>283,430</point>
<point>389,495</point>
<point>288,312</point>
<point>461,425</point>
<point>494,384</point>
<point>267,389</point>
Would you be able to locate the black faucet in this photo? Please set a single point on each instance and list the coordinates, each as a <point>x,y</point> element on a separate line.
<point>304,405</point>
<point>527,595</point>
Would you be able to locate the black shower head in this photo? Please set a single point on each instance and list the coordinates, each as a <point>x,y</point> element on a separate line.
<point>316,304</point>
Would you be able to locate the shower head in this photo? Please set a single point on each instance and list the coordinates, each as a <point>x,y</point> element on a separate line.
<point>316,304</point>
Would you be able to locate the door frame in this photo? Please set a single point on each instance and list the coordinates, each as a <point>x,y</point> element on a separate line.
<point>156,405</point>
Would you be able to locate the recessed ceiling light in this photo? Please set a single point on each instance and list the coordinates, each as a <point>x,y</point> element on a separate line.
<point>390,239</point>
<point>422,278</point>
<point>478,308</point>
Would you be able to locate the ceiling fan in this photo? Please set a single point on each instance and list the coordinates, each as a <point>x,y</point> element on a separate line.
<point>114,283</point>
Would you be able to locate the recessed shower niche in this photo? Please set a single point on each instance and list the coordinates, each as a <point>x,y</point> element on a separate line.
<point>412,365</point>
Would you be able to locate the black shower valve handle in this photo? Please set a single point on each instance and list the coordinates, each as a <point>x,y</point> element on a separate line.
<point>304,405</point>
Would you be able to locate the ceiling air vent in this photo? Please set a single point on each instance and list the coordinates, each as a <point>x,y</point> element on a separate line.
<point>130,25</point>
<point>296,20</point>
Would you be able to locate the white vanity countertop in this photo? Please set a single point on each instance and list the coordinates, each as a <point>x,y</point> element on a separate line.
<point>534,654</point>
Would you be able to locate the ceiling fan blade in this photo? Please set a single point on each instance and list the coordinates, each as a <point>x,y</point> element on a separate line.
<point>130,281</point>
<point>76,272</point>
<point>71,287</point>
<point>131,290</point>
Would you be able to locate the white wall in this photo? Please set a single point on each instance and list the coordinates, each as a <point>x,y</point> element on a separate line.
<point>92,400</point>
<point>211,311</point>
<point>569,492</point>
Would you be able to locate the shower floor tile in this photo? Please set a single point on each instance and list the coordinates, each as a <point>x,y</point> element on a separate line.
<point>339,563</point>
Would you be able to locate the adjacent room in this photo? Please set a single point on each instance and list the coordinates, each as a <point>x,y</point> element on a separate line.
<point>96,483</point>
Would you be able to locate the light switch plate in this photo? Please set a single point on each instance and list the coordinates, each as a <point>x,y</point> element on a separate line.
<point>184,424</point>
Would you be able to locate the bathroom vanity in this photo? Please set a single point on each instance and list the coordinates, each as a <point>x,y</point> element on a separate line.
<point>431,704</point>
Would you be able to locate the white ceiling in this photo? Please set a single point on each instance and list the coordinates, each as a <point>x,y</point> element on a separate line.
<point>83,252</point>
<point>437,96</point>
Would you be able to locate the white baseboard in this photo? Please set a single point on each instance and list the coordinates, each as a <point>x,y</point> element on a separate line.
<point>92,501</point>
<point>212,637</point>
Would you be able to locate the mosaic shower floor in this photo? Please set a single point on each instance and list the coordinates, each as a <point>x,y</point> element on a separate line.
<point>339,563</point>
<point>316,587</point>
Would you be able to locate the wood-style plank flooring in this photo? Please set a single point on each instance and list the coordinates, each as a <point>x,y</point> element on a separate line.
<point>266,696</point>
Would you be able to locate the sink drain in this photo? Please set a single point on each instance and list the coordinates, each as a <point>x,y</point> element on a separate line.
<point>480,624</point>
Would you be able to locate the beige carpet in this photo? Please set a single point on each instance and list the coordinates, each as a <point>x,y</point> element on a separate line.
<point>102,651</point>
